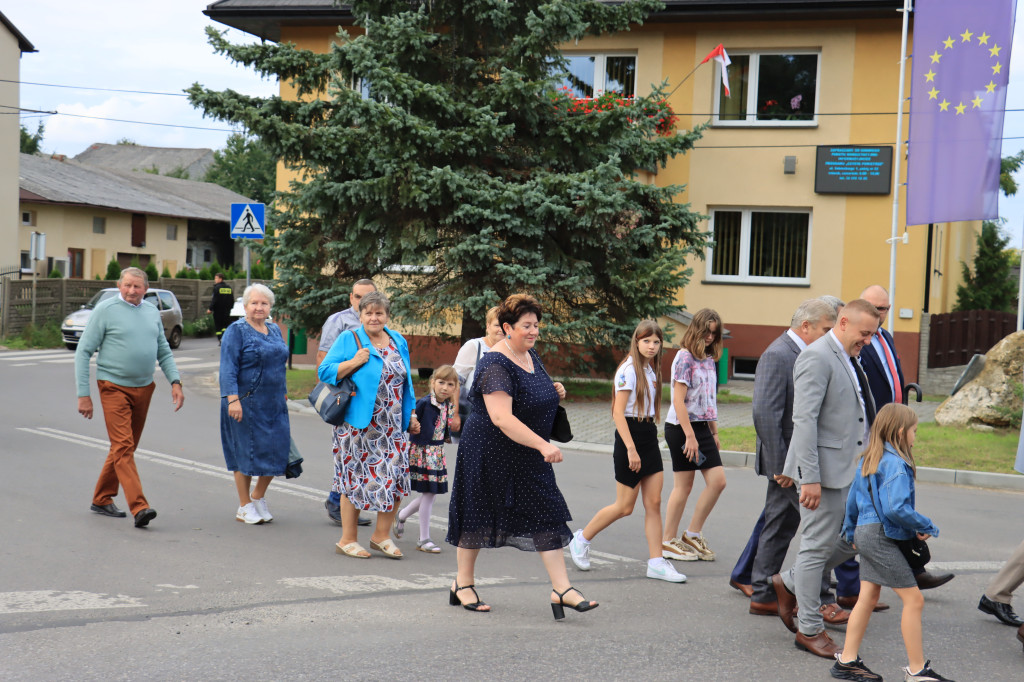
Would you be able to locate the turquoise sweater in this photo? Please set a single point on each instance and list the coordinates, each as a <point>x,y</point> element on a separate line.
<point>130,340</point>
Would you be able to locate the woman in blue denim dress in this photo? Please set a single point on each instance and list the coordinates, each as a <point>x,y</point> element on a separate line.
<point>254,430</point>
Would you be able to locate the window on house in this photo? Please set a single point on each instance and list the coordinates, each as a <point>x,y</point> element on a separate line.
<point>172,233</point>
<point>769,88</point>
<point>99,225</point>
<point>591,75</point>
<point>28,217</point>
<point>26,261</point>
<point>759,246</point>
<point>206,255</point>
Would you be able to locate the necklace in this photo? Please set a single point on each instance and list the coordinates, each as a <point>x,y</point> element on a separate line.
<point>385,344</point>
<point>526,362</point>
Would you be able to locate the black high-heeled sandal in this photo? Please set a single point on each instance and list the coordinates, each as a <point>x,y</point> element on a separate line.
<point>453,599</point>
<point>559,609</point>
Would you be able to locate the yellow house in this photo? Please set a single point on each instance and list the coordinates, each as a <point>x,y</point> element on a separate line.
<point>12,45</point>
<point>787,172</point>
<point>92,215</point>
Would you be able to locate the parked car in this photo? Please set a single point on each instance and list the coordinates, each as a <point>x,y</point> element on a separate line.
<point>164,300</point>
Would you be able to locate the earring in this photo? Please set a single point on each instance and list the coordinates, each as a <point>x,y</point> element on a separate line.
<point>508,336</point>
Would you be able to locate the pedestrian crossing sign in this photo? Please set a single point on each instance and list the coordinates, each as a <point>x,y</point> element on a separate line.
<point>248,221</point>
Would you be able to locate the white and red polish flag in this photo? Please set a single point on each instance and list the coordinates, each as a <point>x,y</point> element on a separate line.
<point>719,55</point>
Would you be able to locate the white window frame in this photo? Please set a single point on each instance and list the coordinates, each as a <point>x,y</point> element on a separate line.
<point>751,119</point>
<point>102,224</point>
<point>601,64</point>
<point>28,218</point>
<point>172,232</point>
<point>744,259</point>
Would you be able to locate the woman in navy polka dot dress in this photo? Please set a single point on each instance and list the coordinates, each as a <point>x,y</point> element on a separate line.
<point>504,491</point>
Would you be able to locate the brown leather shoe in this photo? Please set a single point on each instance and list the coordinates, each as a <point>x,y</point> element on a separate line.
<point>834,614</point>
<point>819,645</point>
<point>747,590</point>
<point>849,602</point>
<point>786,601</point>
<point>764,608</point>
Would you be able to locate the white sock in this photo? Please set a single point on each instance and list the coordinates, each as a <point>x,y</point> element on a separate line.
<point>692,535</point>
<point>657,561</point>
<point>582,540</point>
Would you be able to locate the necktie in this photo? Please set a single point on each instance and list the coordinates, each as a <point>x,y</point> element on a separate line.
<point>897,389</point>
<point>865,391</point>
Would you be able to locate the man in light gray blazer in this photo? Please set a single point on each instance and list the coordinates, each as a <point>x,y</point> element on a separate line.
<point>832,413</point>
<point>773,423</point>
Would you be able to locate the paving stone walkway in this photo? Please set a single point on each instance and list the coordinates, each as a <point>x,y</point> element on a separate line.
<point>592,422</point>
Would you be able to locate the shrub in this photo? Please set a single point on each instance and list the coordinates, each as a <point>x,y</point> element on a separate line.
<point>201,327</point>
<point>152,273</point>
<point>113,269</point>
<point>165,272</point>
<point>55,274</point>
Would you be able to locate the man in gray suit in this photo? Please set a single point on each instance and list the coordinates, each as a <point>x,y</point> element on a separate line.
<point>773,422</point>
<point>832,413</point>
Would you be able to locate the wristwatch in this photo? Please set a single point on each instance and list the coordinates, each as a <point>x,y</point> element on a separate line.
<point>176,381</point>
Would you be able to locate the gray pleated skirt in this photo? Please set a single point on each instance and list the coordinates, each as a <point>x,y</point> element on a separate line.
<point>881,561</point>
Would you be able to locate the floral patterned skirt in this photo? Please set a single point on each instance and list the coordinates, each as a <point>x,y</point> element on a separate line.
<point>372,466</point>
<point>427,469</point>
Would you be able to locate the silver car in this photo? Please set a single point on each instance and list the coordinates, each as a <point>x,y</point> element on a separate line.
<point>164,300</point>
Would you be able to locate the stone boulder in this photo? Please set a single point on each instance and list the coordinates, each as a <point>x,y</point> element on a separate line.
<point>993,397</point>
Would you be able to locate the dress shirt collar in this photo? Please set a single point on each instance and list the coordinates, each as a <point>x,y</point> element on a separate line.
<point>797,340</point>
<point>134,305</point>
<point>838,343</point>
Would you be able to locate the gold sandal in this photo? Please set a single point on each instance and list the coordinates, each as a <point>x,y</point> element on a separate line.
<point>387,548</point>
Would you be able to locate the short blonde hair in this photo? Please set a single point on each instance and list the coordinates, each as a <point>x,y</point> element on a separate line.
<point>444,373</point>
<point>492,315</point>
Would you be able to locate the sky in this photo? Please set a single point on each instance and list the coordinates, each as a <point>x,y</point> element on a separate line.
<point>145,45</point>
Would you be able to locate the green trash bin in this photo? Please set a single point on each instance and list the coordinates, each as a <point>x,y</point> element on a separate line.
<point>723,368</point>
<point>298,341</point>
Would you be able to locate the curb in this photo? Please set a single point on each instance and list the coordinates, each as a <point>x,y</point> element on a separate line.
<point>976,479</point>
<point>733,458</point>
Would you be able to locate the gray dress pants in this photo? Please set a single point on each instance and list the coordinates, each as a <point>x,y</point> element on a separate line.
<point>821,550</point>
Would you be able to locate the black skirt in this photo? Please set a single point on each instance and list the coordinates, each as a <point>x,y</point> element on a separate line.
<point>644,433</point>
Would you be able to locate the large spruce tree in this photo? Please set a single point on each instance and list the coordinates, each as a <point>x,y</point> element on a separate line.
<point>438,150</point>
<point>990,286</point>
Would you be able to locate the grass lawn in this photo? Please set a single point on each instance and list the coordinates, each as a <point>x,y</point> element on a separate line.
<point>942,447</point>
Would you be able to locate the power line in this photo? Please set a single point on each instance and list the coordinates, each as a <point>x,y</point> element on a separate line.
<point>85,87</point>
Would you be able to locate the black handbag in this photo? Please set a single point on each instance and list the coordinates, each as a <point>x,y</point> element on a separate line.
<point>914,550</point>
<point>330,401</point>
<point>560,429</point>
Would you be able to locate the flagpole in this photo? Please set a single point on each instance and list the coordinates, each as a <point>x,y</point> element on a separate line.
<point>893,240</point>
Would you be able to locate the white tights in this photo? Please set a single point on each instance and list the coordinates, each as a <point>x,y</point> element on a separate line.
<point>422,504</point>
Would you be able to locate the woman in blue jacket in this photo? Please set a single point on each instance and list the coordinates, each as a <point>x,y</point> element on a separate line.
<point>879,512</point>
<point>371,449</point>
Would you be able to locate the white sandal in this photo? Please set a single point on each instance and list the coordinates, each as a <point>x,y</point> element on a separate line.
<point>428,546</point>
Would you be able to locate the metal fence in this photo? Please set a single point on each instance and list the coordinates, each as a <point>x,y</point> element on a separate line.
<point>55,298</point>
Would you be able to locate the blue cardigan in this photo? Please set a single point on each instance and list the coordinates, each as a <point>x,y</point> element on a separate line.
<point>367,377</point>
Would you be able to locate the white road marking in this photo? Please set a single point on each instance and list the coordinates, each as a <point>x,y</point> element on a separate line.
<point>966,565</point>
<point>31,355</point>
<point>363,584</point>
<point>201,365</point>
<point>59,600</point>
<point>179,587</point>
<point>280,486</point>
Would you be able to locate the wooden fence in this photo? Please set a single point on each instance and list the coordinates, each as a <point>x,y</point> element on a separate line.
<point>55,298</point>
<point>954,338</point>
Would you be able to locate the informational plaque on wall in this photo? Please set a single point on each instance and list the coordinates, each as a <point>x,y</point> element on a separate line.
<point>853,169</point>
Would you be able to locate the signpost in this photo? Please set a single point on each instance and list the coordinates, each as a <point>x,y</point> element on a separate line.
<point>36,253</point>
<point>248,221</point>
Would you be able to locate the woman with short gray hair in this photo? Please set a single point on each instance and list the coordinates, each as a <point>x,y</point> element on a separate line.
<point>254,429</point>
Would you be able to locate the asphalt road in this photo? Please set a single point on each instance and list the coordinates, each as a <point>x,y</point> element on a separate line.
<point>198,596</point>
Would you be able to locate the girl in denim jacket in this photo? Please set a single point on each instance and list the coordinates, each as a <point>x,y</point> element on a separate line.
<point>880,511</point>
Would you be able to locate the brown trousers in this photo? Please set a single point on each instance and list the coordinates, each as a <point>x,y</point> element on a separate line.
<point>124,410</point>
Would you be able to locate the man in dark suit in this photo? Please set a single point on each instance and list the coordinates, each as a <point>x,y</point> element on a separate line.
<point>773,423</point>
<point>882,366</point>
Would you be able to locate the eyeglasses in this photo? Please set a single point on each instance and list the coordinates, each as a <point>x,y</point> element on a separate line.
<point>882,308</point>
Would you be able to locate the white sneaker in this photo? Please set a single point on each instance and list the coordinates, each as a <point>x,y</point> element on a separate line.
<point>675,550</point>
<point>248,514</point>
<point>580,551</point>
<point>663,570</point>
<point>261,509</point>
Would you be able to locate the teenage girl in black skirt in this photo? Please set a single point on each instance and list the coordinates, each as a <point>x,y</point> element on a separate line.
<point>636,409</point>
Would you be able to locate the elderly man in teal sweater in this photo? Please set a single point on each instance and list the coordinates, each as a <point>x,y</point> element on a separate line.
<point>130,338</point>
